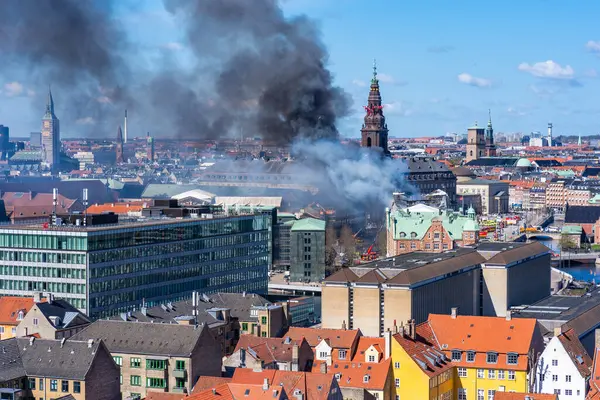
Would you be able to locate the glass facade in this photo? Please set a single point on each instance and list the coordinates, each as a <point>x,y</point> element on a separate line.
<point>112,269</point>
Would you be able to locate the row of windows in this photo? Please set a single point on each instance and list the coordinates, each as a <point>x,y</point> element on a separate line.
<point>42,272</point>
<point>40,257</point>
<point>178,247</point>
<point>492,374</point>
<point>35,241</point>
<point>33,286</point>
<point>491,358</point>
<point>64,385</point>
<point>178,268</point>
<point>177,232</point>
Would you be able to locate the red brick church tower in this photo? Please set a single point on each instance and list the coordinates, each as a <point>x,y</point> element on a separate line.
<point>374,131</point>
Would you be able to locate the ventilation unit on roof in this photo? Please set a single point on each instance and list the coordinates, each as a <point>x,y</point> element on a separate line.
<point>444,346</point>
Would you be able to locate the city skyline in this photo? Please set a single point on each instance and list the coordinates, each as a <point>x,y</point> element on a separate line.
<point>439,71</point>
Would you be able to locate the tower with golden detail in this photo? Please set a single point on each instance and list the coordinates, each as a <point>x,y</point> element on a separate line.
<point>374,132</point>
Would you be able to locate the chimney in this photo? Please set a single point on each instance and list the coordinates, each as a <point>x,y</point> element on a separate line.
<point>411,329</point>
<point>50,298</point>
<point>242,357</point>
<point>295,351</point>
<point>144,310</point>
<point>344,324</point>
<point>387,338</point>
<point>395,327</point>
<point>266,384</point>
<point>214,391</point>
<point>37,297</point>
<point>31,340</point>
<point>508,315</point>
<point>558,331</point>
<point>323,368</point>
<point>453,312</point>
<point>257,367</point>
<point>90,343</point>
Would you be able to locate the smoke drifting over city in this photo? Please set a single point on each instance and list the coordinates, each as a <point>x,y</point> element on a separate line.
<point>255,72</point>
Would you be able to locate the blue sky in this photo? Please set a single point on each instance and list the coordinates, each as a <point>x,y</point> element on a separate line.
<point>442,63</point>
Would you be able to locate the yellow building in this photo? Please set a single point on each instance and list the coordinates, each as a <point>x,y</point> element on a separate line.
<point>420,370</point>
<point>490,354</point>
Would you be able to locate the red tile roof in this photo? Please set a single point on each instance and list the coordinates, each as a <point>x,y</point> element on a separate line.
<point>364,342</point>
<point>424,351</point>
<point>314,386</point>
<point>352,374</point>
<point>10,307</point>
<point>208,382</point>
<point>165,396</point>
<point>336,338</point>
<point>576,352</point>
<point>269,349</point>
<point>117,208</point>
<point>483,335</point>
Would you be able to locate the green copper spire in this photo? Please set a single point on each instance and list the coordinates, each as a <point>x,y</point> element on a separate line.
<point>374,80</point>
<point>490,118</point>
<point>49,105</point>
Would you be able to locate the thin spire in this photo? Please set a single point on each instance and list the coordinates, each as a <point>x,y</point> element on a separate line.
<point>374,80</point>
<point>50,103</point>
<point>490,117</point>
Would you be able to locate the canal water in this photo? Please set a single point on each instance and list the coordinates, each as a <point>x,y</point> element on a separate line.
<point>581,272</point>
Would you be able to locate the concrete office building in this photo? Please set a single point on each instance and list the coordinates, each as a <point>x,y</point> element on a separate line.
<point>494,194</point>
<point>307,255</point>
<point>487,280</point>
<point>107,269</point>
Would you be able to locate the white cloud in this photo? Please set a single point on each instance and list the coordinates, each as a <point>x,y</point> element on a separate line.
<point>104,100</point>
<point>174,46</point>
<point>359,83</point>
<point>593,46</point>
<point>385,78</point>
<point>397,108</point>
<point>13,89</point>
<point>548,69</point>
<point>474,81</point>
<point>514,111</point>
<point>86,121</point>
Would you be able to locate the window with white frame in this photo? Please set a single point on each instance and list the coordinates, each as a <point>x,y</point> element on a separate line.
<point>554,378</point>
<point>569,392</point>
<point>491,374</point>
<point>480,373</point>
<point>397,382</point>
<point>323,354</point>
<point>462,394</point>
<point>501,374</point>
<point>491,393</point>
<point>511,375</point>
<point>480,394</point>
<point>567,378</point>
<point>397,365</point>
<point>555,363</point>
<point>462,372</point>
<point>342,354</point>
<point>470,356</point>
<point>456,355</point>
<point>492,358</point>
<point>512,358</point>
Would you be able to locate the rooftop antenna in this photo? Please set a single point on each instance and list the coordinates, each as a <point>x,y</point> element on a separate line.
<point>85,204</point>
<point>54,204</point>
<point>125,130</point>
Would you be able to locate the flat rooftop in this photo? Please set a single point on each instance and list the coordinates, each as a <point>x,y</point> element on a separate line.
<point>559,308</point>
<point>415,259</point>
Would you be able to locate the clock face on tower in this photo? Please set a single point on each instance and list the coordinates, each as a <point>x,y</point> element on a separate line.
<point>46,124</point>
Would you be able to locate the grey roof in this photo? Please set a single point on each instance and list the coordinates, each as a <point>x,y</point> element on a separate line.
<point>51,358</point>
<point>69,315</point>
<point>419,164</point>
<point>143,338</point>
<point>239,304</point>
<point>166,190</point>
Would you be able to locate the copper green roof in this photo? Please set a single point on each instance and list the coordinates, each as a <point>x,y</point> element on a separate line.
<point>571,230</point>
<point>308,224</point>
<point>409,224</point>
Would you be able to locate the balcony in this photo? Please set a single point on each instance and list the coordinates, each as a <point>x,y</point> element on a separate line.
<point>176,389</point>
<point>180,373</point>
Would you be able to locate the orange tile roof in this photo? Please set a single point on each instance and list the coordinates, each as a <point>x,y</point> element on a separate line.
<point>208,382</point>
<point>220,392</point>
<point>269,349</point>
<point>523,396</point>
<point>165,396</point>
<point>314,386</point>
<point>483,335</point>
<point>10,307</point>
<point>594,392</point>
<point>352,374</point>
<point>117,208</point>
<point>576,352</point>
<point>364,342</point>
<point>423,350</point>
<point>337,338</point>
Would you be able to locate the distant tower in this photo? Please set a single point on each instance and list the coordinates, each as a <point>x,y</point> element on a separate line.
<point>374,132</point>
<point>4,141</point>
<point>119,147</point>
<point>490,147</point>
<point>549,133</point>
<point>475,142</point>
<point>150,147</point>
<point>579,140</point>
<point>125,128</point>
<point>51,135</point>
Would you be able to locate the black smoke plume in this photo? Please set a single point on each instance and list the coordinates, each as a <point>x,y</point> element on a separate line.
<point>255,72</point>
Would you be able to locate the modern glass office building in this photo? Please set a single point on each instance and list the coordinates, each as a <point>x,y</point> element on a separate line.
<point>107,269</point>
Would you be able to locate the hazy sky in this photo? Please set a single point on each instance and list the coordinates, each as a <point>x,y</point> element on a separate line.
<point>442,63</point>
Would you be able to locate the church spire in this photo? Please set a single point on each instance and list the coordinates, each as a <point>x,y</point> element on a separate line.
<point>490,118</point>
<point>374,130</point>
<point>49,104</point>
<point>374,79</point>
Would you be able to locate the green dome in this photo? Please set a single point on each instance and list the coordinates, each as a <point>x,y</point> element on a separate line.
<point>523,162</point>
<point>471,226</point>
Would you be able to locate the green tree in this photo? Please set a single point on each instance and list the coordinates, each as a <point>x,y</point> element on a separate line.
<point>382,242</point>
<point>331,239</point>
<point>566,242</point>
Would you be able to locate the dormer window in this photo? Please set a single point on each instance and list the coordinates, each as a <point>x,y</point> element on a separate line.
<point>456,355</point>
<point>470,356</point>
<point>20,316</point>
<point>371,358</point>
<point>492,358</point>
<point>366,378</point>
<point>512,358</point>
<point>413,235</point>
<point>342,354</point>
